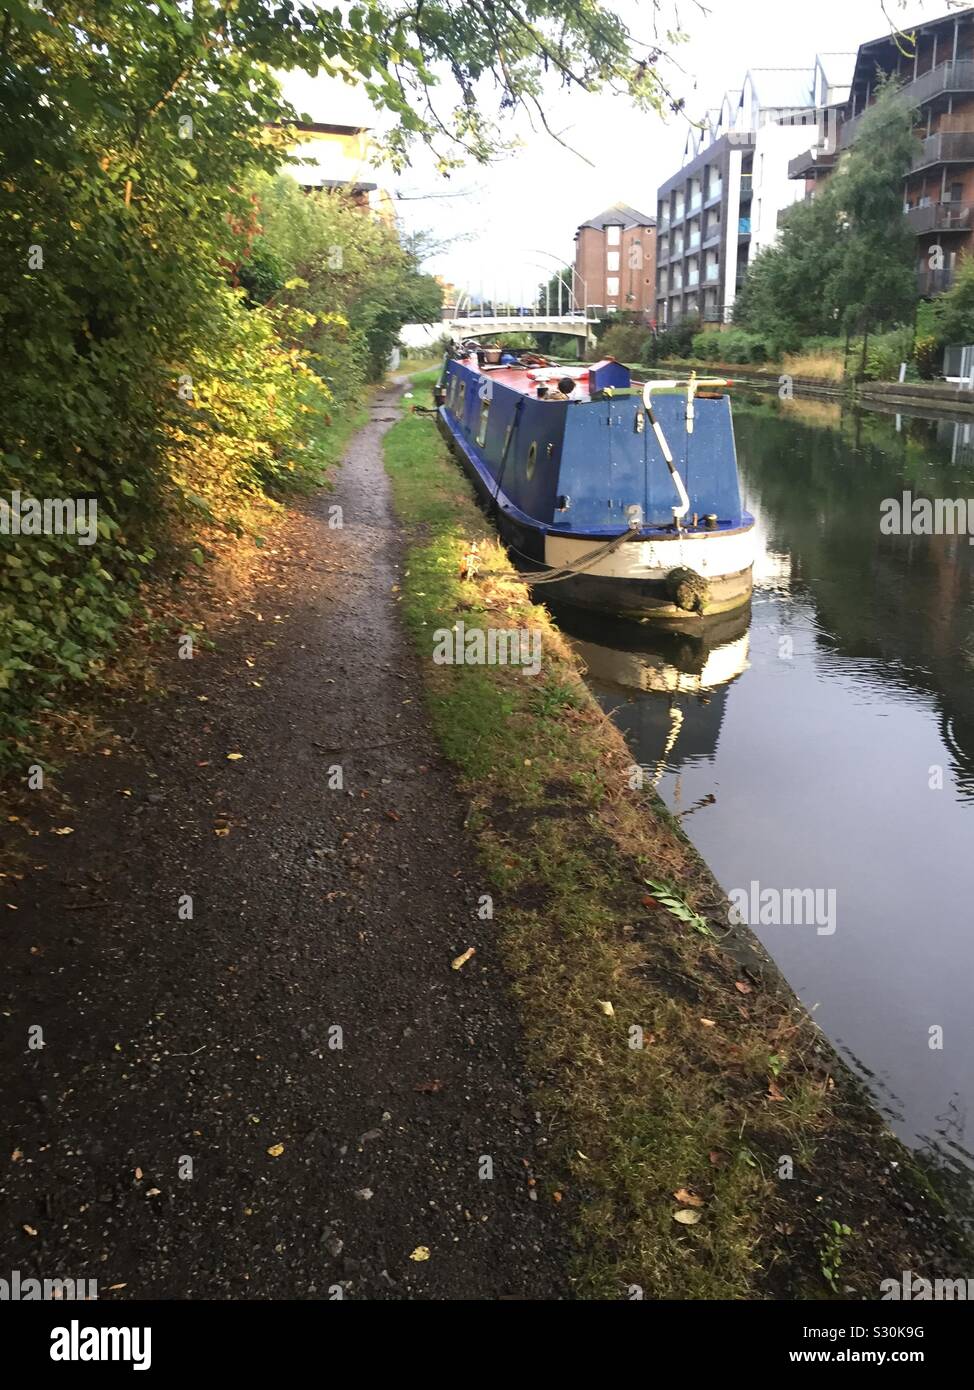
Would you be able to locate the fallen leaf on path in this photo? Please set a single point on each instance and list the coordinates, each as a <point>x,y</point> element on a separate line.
<point>420,1253</point>
<point>30,1230</point>
<point>276,1150</point>
<point>606,1006</point>
<point>690,1198</point>
<point>154,1192</point>
<point>686,1217</point>
<point>774,1092</point>
<point>393,815</point>
<point>234,757</point>
<point>709,1022</point>
<point>429,1088</point>
<point>17,1155</point>
<point>461,961</point>
<point>65,830</point>
<point>742,988</point>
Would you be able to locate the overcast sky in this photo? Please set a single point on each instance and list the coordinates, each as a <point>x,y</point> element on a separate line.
<point>498,219</point>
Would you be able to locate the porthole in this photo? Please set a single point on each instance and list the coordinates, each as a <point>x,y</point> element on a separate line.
<point>532,460</point>
<point>482,428</point>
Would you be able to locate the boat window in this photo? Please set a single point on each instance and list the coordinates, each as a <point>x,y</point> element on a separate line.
<point>532,459</point>
<point>463,396</point>
<point>482,430</point>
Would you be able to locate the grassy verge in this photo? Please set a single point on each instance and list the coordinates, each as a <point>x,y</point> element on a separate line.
<point>706,1141</point>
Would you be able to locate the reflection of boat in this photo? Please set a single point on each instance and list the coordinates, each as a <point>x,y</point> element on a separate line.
<point>630,502</point>
<point>636,657</point>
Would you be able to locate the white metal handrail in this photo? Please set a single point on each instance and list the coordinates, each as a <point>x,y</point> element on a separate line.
<point>691,389</point>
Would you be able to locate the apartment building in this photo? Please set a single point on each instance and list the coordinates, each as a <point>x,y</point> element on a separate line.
<point>722,207</point>
<point>615,260</point>
<point>937,77</point>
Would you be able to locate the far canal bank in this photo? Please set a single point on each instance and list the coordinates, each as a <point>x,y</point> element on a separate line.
<point>934,397</point>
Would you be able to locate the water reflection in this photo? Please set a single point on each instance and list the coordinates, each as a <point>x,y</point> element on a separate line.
<point>831,743</point>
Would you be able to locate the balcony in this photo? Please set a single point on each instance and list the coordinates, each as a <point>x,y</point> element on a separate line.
<point>953,147</point>
<point>939,81</point>
<point>746,180</point>
<point>941,217</point>
<point>711,237</point>
<point>693,244</point>
<point>933,281</point>
<point>815,161</point>
<point>712,274</point>
<point>849,132</point>
<point>948,77</point>
<point>714,195</point>
<point>696,203</point>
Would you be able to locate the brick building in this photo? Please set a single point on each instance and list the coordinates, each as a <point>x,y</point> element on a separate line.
<point>615,261</point>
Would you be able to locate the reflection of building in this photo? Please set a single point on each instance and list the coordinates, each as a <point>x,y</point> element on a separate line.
<point>615,260</point>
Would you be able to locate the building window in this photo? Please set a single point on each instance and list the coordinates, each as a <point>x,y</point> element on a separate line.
<point>612,286</point>
<point>613,236</point>
<point>612,260</point>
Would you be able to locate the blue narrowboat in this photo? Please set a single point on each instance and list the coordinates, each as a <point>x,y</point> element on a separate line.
<point>628,499</point>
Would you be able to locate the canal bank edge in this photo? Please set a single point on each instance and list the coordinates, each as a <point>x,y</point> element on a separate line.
<point>939,396</point>
<point>703,1138</point>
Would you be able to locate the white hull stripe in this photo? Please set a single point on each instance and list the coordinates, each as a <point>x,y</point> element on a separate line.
<point>711,555</point>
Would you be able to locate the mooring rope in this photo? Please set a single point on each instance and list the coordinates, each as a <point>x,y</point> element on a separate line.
<point>553,573</point>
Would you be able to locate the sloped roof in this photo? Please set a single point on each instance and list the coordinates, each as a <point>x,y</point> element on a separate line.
<point>780,87</point>
<point>621,215</point>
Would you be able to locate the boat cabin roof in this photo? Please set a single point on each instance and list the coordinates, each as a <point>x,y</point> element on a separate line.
<point>588,377</point>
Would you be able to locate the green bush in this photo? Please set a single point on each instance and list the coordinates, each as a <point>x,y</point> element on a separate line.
<point>163,354</point>
<point>672,342</point>
<point>706,346</point>
<point>886,351</point>
<point>625,342</point>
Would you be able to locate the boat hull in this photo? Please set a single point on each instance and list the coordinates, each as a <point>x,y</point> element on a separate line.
<point>634,581</point>
<point>557,480</point>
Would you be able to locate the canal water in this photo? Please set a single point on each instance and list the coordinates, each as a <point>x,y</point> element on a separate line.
<point>825,741</point>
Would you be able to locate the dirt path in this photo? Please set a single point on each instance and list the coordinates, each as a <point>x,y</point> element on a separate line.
<point>175,1045</point>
